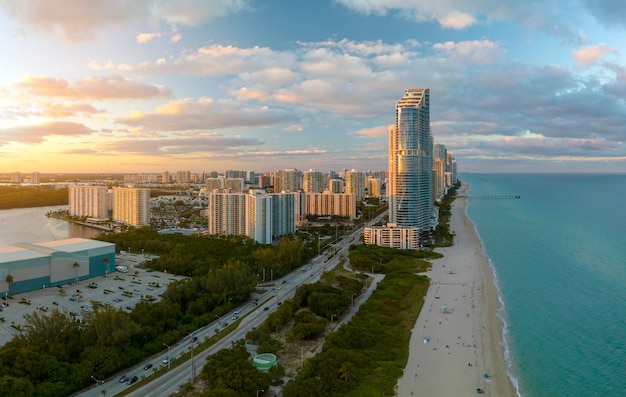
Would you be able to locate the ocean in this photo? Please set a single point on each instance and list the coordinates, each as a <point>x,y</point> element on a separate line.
<point>558,254</point>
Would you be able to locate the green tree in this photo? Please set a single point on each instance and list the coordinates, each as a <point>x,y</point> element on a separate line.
<point>231,369</point>
<point>76,265</point>
<point>9,280</point>
<point>106,264</point>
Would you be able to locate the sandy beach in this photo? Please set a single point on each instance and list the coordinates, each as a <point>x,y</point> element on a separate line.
<point>459,319</point>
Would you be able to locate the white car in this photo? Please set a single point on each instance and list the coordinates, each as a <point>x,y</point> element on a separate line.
<point>166,360</point>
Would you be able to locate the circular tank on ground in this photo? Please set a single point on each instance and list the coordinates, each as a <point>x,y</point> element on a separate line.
<point>264,361</point>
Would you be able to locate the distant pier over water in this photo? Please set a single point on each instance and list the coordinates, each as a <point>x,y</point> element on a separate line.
<point>506,196</point>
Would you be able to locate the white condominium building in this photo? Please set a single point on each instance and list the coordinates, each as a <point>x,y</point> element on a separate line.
<point>289,180</point>
<point>256,214</point>
<point>131,206</point>
<point>355,183</point>
<point>259,216</point>
<point>374,186</point>
<point>227,213</point>
<point>329,204</point>
<point>313,181</point>
<point>335,186</point>
<point>235,185</point>
<point>88,200</point>
<point>214,183</point>
<point>285,212</point>
<point>392,236</point>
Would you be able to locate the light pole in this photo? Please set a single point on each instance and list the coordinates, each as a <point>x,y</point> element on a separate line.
<point>98,381</point>
<point>169,357</point>
<point>353,300</point>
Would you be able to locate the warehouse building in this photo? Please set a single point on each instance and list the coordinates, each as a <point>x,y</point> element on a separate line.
<point>27,267</point>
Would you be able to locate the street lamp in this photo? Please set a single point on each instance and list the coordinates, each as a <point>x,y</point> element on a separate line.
<point>98,381</point>
<point>353,300</point>
<point>169,357</point>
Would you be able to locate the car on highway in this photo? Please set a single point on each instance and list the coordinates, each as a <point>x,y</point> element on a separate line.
<point>147,366</point>
<point>166,360</point>
<point>132,380</point>
<point>266,308</point>
<point>124,378</point>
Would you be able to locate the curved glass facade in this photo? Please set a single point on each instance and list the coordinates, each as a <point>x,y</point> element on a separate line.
<point>410,162</point>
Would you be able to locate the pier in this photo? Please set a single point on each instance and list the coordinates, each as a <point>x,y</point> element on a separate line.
<point>509,196</point>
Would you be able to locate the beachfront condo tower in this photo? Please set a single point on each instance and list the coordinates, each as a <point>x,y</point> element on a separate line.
<point>410,189</point>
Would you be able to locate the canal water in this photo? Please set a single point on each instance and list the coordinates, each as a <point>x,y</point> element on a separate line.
<point>31,225</point>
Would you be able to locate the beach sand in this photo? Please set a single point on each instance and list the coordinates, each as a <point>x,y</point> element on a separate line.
<point>465,338</point>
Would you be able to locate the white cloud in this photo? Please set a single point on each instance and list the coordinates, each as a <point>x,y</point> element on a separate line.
<point>146,37</point>
<point>589,55</point>
<point>83,20</point>
<point>457,20</point>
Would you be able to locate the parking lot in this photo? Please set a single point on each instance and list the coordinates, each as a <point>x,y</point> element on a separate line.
<point>120,290</point>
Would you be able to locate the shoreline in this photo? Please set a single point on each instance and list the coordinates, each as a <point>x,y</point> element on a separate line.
<point>465,349</point>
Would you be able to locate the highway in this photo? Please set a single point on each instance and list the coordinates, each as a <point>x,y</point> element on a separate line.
<point>250,316</point>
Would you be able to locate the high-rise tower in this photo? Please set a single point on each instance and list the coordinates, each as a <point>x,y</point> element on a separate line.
<point>410,162</point>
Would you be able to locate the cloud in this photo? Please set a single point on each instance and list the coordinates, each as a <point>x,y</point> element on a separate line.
<point>83,20</point>
<point>607,12</point>
<point>96,88</point>
<point>34,134</point>
<point>185,114</point>
<point>146,37</point>
<point>477,51</point>
<point>66,110</point>
<point>374,132</point>
<point>457,20</point>
<point>589,55</point>
<point>179,144</point>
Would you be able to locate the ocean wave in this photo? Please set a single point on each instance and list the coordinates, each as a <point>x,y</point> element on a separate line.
<point>500,314</point>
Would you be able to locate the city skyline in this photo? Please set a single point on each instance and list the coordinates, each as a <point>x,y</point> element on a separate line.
<point>153,85</point>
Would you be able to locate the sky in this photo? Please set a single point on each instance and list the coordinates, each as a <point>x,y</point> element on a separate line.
<point>129,86</point>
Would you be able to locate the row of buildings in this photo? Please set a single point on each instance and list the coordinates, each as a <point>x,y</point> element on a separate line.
<point>267,206</point>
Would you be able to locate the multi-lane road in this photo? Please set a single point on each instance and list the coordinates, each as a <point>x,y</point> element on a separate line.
<point>250,316</point>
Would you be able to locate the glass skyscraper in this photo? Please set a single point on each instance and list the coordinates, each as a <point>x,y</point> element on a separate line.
<point>410,187</point>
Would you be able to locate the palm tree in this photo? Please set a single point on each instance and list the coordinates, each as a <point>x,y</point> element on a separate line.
<point>76,265</point>
<point>106,263</point>
<point>347,372</point>
<point>9,280</point>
